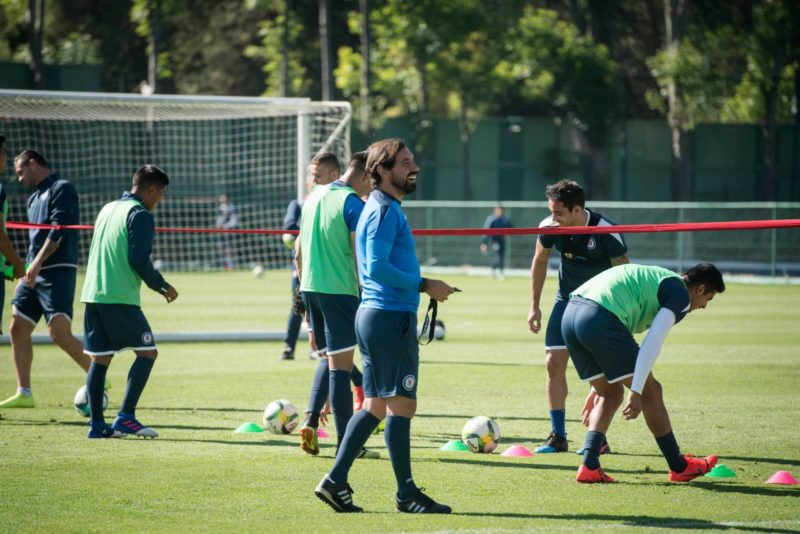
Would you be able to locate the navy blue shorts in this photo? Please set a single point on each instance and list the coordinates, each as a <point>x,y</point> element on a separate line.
<point>387,341</point>
<point>111,328</point>
<point>552,337</point>
<point>332,319</point>
<point>51,295</point>
<point>598,342</point>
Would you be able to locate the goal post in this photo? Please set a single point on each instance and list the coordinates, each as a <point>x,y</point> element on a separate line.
<point>255,151</point>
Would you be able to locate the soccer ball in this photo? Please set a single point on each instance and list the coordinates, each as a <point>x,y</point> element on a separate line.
<point>81,401</point>
<point>280,417</point>
<point>288,240</point>
<point>258,271</point>
<point>481,434</point>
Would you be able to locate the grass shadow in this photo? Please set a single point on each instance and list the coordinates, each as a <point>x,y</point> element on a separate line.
<point>779,461</point>
<point>768,491</point>
<point>672,523</point>
<point>465,417</point>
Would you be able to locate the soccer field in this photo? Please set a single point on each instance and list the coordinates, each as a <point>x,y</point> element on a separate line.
<point>730,375</point>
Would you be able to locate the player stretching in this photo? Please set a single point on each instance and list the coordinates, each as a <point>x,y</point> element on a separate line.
<point>386,328</point>
<point>598,326</point>
<point>582,257</point>
<point>119,259</point>
<point>329,286</point>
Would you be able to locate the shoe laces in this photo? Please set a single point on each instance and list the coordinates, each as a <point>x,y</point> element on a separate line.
<point>423,499</point>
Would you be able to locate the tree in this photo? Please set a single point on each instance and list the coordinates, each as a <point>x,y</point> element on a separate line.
<point>549,61</point>
<point>36,18</point>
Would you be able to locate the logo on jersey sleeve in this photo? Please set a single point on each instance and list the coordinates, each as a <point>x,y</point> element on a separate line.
<point>147,338</point>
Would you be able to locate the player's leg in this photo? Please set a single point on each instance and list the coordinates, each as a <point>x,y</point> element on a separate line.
<point>60,329</point>
<point>339,313</point>
<point>682,468</point>
<point>578,326</point>
<point>127,327</point>
<point>333,489</point>
<point>556,358</point>
<point>26,312</point>
<point>292,326</point>
<point>56,291</point>
<point>20,331</point>
<point>320,383</point>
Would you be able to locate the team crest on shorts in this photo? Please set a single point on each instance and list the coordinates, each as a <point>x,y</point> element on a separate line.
<point>409,382</point>
<point>591,244</point>
<point>147,338</point>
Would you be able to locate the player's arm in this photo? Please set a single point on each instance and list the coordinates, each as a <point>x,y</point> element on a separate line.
<point>298,258</point>
<point>7,250</point>
<point>646,358</point>
<point>620,260</point>
<point>141,231</point>
<point>538,276</point>
<point>380,237</point>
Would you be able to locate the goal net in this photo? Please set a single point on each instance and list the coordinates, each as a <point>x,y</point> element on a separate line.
<point>255,151</point>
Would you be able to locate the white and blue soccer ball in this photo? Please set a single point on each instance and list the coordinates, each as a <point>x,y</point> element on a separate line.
<point>258,271</point>
<point>481,434</point>
<point>81,401</point>
<point>281,417</point>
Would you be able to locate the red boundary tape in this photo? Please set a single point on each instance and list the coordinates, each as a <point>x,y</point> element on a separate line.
<point>619,229</point>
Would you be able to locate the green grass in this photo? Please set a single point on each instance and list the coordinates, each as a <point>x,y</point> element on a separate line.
<point>730,375</point>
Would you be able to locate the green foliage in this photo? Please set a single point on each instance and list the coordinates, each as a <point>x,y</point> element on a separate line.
<point>730,391</point>
<point>705,68</point>
<point>13,38</point>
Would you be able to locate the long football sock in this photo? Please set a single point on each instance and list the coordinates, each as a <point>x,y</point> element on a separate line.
<point>557,422</point>
<point>95,381</point>
<point>672,453</point>
<point>359,429</point>
<point>357,377</point>
<point>398,440</point>
<point>591,448</point>
<point>319,390</point>
<point>137,380</point>
<point>341,399</point>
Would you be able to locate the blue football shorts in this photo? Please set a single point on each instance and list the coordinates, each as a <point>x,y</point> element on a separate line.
<point>387,341</point>
<point>112,328</point>
<point>51,295</point>
<point>598,342</point>
<point>332,319</point>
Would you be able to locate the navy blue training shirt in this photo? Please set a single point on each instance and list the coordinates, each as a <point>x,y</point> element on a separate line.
<point>141,232</point>
<point>55,202</point>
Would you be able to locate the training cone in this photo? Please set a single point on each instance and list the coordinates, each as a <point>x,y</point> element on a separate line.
<point>782,477</point>
<point>249,428</point>
<point>721,471</point>
<point>454,445</point>
<point>321,433</point>
<point>517,451</point>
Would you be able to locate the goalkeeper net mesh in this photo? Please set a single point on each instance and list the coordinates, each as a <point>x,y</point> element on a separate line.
<point>255,151</point>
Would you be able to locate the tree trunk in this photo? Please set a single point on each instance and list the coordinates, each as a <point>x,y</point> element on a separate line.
<point>284,67</point>
<point>36,9</point>
<point>326,63</point>
<point>463,122</point>
<point>674,23</point>
<point>768,130</point>
<point>364,86</point>
<point>154,40</point>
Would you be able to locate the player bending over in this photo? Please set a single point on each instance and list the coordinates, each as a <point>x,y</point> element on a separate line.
<point>598,326</point>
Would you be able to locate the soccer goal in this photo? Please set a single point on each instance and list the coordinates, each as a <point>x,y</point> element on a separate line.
<point>255,151</point>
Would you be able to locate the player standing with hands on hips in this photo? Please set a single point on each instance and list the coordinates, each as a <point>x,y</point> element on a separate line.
<point>386,330</point>
<point>119,259</point>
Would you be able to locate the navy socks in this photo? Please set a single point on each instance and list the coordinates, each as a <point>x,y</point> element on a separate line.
<point>398,440</point>
<point>557,424</point>
<point>359,429</point>
<point>95,381</point>
<point>341,399</point>
<point>672,453</point>
<point>137,379</point>
<point>591,449</point>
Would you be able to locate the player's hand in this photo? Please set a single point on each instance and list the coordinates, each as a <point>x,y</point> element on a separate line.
<point>535,320</point>
<point>588,405</point>
<point>483,248</point>
<point>634,406</point>
<point>19,270</point>
<point>324,413</point>
<point>170,294</point>
<point>438,290</point>
<point>29,278</point>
